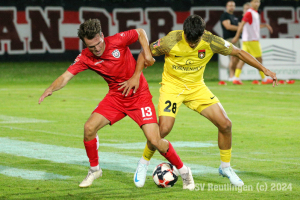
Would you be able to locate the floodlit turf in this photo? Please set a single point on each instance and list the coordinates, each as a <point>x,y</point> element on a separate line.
<point>47,139</point>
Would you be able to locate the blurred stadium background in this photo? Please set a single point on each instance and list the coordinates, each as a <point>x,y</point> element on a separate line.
<point>46,30</point>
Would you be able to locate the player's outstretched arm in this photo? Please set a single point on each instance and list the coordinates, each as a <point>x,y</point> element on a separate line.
<point>134,81</point>
<point>250,60</point>
<point>238,32</point>
<point>143,39</point>
<point>59,83</point>
<point>267,26</point>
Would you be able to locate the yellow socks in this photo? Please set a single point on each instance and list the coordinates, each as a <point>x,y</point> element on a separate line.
<point>225,157</point>
<point>147,155</point>
<point>237,73</point>
<point>262,75</point>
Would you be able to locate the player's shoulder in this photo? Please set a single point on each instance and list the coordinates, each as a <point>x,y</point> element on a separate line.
<point>85,52</point>
<point>84,56</point>
<point>172,38</point>
<point>175,35</point>
<point>217,44</point>
<point>207,36</point>
<point>249,12</point>
<point>121,35</point>
<point>224,15</point>
<point>165,44</point>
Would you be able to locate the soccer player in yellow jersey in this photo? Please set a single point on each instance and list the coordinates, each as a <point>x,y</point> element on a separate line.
<point>250,26</point>
<point>186,54</point>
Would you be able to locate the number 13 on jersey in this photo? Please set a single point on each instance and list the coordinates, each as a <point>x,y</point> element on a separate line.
<point>146,112</point>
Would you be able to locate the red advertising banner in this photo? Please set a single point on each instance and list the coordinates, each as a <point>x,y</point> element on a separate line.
<point>53,30</point>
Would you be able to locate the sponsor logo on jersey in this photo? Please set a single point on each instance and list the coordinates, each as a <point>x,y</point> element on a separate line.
<point>116,53</point>
<point>96,63</point>
<point>227,44</point>
<point>186,69</point>
<point>189,62</point>
<point>122,34</point>
<point>156,44</point>
<point>201,53</point>
<point>149,118</point>
<point>76,59</point>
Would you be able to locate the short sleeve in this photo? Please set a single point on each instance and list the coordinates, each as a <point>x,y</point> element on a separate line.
<point>165,44</point>
<point>224,17</point>
<point>77,66</point>
<point>128,37</point>
<point>248,17</point>
<point>221,46</point>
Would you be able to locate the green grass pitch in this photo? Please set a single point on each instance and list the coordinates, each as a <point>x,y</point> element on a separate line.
<point>265,139</point>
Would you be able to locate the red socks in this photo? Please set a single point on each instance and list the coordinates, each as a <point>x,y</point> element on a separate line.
<point>173,157</point>
<point>91,148</point>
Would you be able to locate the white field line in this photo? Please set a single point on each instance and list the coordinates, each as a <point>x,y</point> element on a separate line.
<point>41,131</point>
<point>60,154</point>
<point>5,119</point>
<point>29,174</point>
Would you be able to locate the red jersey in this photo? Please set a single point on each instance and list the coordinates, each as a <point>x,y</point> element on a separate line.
<point>115,65</point>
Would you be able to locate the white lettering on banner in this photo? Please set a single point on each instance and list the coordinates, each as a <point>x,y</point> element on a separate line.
<point>281,56</point>
<point>47,36</point>
<point>49,30</point>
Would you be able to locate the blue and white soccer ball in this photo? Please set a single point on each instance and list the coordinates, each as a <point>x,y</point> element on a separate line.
<point>165,175</point>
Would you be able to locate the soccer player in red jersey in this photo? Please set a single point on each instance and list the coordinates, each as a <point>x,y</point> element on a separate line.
<point>110,57</point>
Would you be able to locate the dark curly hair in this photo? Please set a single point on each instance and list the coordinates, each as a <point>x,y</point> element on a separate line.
<point>193,28</point>
<point>89,29</point>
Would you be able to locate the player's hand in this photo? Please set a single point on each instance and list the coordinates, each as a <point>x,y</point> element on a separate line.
<point>44,95</point>
<point>133,82</point>
<point>234,40</point>
<point>267,72</point>
<point>149,61</point>
<point>269,28</point>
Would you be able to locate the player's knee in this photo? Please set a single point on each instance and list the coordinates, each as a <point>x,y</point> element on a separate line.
<point>164,131</point>
<point>89,130</point>
<point>225,127</point>
<point>154,142</point>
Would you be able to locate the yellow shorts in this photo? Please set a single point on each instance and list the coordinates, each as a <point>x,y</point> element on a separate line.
<point>171,97</point>
<point>252,47</point>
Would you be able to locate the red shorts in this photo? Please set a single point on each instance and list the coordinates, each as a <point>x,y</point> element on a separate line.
<point>140,109</point>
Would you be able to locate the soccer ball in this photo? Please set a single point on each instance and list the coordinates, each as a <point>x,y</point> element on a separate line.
<point>164,175</point>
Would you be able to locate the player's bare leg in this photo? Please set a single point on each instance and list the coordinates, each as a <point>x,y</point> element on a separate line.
<point>217,115</point>
<point>155,141</point>
<point>166,124</point>
<point>91,143</point>
<point>232,66</point>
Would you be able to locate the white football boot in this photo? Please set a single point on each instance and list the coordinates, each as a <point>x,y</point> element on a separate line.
<point>90,178</point>
<point>231,175</point>
<point>188,180</point>
<point>140,175</point>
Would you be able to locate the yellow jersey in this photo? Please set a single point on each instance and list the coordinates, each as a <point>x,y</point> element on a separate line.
<point>184,66</point>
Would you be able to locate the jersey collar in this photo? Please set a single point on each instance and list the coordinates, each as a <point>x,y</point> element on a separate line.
<point>183,38</point>
<point>253,10</point>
